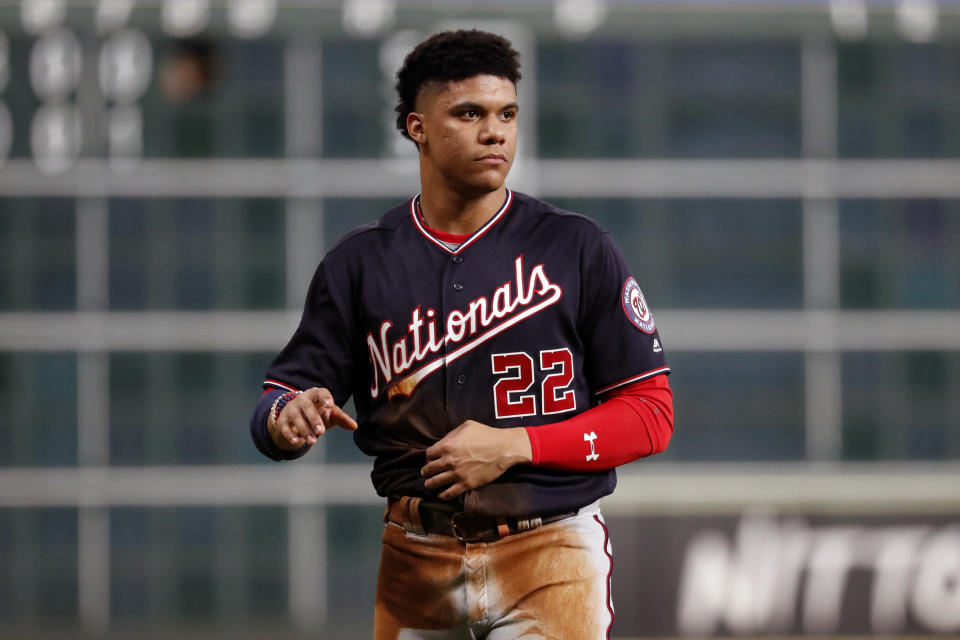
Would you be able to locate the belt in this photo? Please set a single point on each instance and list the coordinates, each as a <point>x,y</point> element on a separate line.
<point>422,517</point>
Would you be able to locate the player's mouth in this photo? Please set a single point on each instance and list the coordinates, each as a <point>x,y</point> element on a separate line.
<point>493,159</point>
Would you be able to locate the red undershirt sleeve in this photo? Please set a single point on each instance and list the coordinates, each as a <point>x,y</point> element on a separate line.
<point>630,423</point>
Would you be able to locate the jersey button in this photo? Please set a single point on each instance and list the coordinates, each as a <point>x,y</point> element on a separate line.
<point>461,379</point>
<point>458,259</point>
<point>457,286</point>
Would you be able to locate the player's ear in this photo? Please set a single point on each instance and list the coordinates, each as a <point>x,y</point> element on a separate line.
<point>415,127</point>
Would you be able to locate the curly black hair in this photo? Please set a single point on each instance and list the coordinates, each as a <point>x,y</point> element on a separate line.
<point>451,56</point>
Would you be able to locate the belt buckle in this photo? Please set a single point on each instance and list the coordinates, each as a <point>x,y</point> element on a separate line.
<point>461,536</point>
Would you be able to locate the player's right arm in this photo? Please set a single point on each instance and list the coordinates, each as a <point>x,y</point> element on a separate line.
<point>284,428</point>
<point>305,418</point>
<point>297,425</point>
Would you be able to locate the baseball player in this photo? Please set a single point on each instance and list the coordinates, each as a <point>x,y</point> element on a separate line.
<point>502,360</point>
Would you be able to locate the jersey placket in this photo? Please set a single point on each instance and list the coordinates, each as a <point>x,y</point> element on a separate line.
<point>454,296</point>
<point>457,282</point>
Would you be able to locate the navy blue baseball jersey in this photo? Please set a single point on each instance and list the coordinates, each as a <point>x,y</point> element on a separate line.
<point>528,321</point>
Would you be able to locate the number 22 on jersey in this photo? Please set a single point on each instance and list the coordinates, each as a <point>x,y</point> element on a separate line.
<point>511,393</point>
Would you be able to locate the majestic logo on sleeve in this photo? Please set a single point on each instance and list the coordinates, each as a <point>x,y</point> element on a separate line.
<point>635,306</point>
<point>427,334</point>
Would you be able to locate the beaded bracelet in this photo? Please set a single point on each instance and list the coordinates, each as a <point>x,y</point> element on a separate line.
<point>282,402</point>
<point>278,406</point>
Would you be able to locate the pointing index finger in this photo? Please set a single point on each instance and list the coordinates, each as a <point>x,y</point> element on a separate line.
<point>340,418</point>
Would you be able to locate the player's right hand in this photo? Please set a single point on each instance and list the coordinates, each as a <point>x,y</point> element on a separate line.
<point>307,417</point>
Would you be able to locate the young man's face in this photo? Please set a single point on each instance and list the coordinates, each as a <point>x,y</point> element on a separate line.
<point>467,131</point>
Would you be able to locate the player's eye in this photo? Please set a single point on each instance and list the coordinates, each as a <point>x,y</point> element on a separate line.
<point>470,114</point>
<point>509,115</point>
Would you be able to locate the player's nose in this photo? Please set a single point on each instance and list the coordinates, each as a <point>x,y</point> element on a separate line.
<point>492,131</point>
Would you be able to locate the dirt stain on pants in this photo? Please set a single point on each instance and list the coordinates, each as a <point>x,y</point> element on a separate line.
<point>549,583</point>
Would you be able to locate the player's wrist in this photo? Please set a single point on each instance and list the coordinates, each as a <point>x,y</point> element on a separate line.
<point>521,450</point>
<point>278,440</point>
<point>532,438</point>
<point>273,421</point>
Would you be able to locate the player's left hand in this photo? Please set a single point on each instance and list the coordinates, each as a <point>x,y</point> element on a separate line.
<point>473,455</point>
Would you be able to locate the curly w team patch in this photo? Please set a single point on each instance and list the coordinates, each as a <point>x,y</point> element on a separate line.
<point>635,306</point>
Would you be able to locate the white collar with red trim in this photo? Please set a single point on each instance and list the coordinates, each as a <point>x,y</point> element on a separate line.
<point>429,235</point>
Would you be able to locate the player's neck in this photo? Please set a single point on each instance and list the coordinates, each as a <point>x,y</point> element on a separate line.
<point>451,212</point>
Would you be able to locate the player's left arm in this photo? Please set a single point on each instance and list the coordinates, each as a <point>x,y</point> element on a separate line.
<point>472,455</point>
<point>631,423</point>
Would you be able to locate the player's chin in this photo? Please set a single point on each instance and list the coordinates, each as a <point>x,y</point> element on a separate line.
<point>490,179</point>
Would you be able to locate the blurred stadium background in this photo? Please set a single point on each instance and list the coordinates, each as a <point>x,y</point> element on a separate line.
<point>783,175</point>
